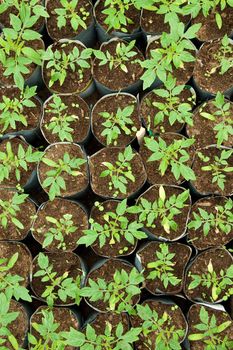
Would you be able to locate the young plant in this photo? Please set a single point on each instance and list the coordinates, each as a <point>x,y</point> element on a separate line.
<point>218,168</point>
<point>10,284</point>
<point>120,172</point>
<point>220,220</point>
<point>223,129</point>
<point>169,9</point>
<point>172,157</point>
<point>116,227</point>
<point>54,179</point>
<point>68,12</point>
<point>12,109</point>
<point>57,287</point>
<point>165,334</point>
<point>210,332</point>
<point>61,121</point>
<point>59,62</point>
<point>117,122</point>
<point>163,209</point>
<point>218,282</point>
<point>174,51</point>
<point>122,54</point>
<point>119,293</point>
<point>163,267</point>
<point>36,9</point>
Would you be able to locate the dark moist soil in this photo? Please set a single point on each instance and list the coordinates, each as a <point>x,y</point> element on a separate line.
<point>63,316</point>
<point>203,183</point>
<point>181,258</point>
<point>67,31</point>
<point>11,232</point>
<point>116,79</point>
<point>9,80</point>
<point>106,272</point>
<point>215,236</point>
<point>203,128</point>
<point>111,104</point>
<point>100,184</point>
<point>205,62</point>
<point>221,260</point>
<point>80,126</point>
<point>194,319</point>
<point>56,209</point>
<point>182,75</point>
<point>74,184</point>
<point>62,262</point>
<point>209,29</point>
<point>32,114</point>
<point>152,168</point>
<point>148,112</point>
<point>152,194</point>
<point>102,320</point>
<point>72,82</point>
<point>22,266</point>
<point>178,322</point>
<point>132,13</point>
<point>111,250</point>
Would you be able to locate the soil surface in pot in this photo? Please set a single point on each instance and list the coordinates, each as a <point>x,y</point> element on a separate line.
<point>74,106</point>
<point>63,316</point>
<point>182,75</point>
<point>111,104</point>
<point>73,82</point>
<point>74,184</point>
<point>23,264</point>
<point>32,114</point>
<point>100,185</point>
<point>67,31</point>
<point>180,260</point>
<point>106,272</point>
<point>221,260</point>
<point>203,128</point>
<point>148,111</point>
<point>152,168</point>
<point>102,319</point>
<point>215,236</point>
<point>12,232</point>
<point>56,209</point>
<point>175,315</point>
<point>203,183</point>
<point>61,262</point>
<point>207,61</point>
<point>116,79</point>
<point>194,319</point>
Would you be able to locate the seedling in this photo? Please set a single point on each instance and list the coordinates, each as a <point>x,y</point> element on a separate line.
<point>120,172</point>
<point>57,287</point>
<point>16,162</point>
<point>218,282</point>
<point>12,109</point>
<point>36,9</point>
<point>211,332</point>
<point>60,62</point>
<point>173,52</point>
<point>122,54</point>
<point>169,9</point>
<point>61,121</point>
<point>119,293</point>
<point>163,209</point>
<point>163,267</point>
<point>10,284</point>
<point>173,156</point>
<point>54,179</point>
<point>218,168</point>
<point>165,334</point>
<point>118,123</point>
<point>69,12</point>
<point>220,220</point>
<point>224,129</point>
<point>116,227</point>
